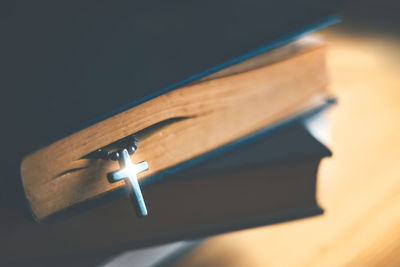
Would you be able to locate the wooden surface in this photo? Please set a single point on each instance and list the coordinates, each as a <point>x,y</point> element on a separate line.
<point>359,187</point>
<point>57,176</point>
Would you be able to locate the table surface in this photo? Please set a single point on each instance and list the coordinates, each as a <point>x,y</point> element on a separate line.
<point>359,187</point>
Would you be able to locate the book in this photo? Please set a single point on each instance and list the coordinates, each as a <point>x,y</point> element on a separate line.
<point>215,111</point>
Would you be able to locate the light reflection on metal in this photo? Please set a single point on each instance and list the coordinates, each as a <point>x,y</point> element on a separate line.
<point>128,171</point>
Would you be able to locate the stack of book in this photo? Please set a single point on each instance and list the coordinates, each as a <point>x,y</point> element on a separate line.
<point>219,91</point>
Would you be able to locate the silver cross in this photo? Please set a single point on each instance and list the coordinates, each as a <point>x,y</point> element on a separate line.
<point>128,171</point>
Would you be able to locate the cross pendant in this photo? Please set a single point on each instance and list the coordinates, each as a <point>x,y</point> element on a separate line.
<point>128,171</point>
